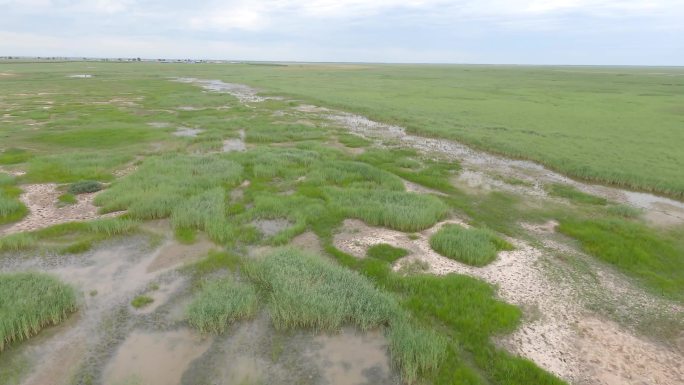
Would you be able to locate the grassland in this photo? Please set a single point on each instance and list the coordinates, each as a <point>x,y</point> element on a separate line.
<point>299,173</point>
<point>30,302</point>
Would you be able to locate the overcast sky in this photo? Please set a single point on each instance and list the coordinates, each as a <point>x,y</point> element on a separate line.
<point>626,32</point>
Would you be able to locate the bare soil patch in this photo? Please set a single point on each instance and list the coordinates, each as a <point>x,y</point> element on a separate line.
<point>41,200</point>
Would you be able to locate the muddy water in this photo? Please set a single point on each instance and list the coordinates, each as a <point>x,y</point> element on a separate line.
<point>237,144</point>
<point>271,227</point>
<point>254,352</point>
<point>351,358</point>
<point>187,132</point>
<point>155,358</point>
<point>109,277</point>
<point>243,93</point>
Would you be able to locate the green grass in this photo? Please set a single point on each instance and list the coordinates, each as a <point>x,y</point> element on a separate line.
<point>473,246</point>
<point>394,209</point>
<point>386,252</point>
<point>571,193</point>
<point>14,156</point>
<point>309,292</point>
<point>67,199</point>
<point>11,209</point>
<point>141,301</point>
<point>655,259</point>
<point>561,117</point>
<point>30,302</point>
<point>74,167</point>
<point>221,302</point>
<point>162,183</point>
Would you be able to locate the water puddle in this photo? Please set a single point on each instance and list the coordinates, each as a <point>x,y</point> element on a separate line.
<point>351,358</point>
<point>155,358</point>
<point>187,132</point>
<point>271,227</point>
<point>236,144</point>
<point>243,93</point>
<point>174,254</point>
<point>80,76</point>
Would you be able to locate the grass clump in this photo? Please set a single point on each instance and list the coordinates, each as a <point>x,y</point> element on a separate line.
<point>84,187</point>
<point>386,252</point>
<point>624,211</point>
<point>141,301</point>
<point>31,301</point>
<point>655,259</point>
<point>394,209</point>
<point>310,292</point>
<point>473,246</point>
<point>162,183</point>
<point>416,350</point>
<point>221,302</point>
<point>574,195</point>
<point>17,241</point>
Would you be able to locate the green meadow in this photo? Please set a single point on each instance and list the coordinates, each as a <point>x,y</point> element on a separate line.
<point>153,149</point>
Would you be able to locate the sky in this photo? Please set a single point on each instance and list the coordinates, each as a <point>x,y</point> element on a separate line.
<point>578,32</point>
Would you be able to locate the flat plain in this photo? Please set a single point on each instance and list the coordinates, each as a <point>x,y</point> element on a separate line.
<point>329,224</point>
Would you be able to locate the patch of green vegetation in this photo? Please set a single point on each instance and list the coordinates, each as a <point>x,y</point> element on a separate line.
<point>11,208</point>
<point>473,246</point>
<point>571,193</point>
<point>310,292</point>
<point>30,302</point>
<point>352,141</point>
<point>624,211</point>
<point>416,350</point>
<point>394,209</point>
<point>386,252</point>
<point>161,183</point>
<point>141,301</point>
<point>67,199</point>
<point>72,237</point>
<point>74,167</point>
<point>655,259</point>
<point>186,236</point>
<point>220,302</point>
<point>215,261</point>
<point>97,137</point>
<point>84,187</point>
<point>14,156</point>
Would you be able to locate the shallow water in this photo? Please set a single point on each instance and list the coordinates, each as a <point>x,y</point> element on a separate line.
<point>155,358</point>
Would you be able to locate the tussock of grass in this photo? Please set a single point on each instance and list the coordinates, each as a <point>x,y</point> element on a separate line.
<point>473,246</point>
<point>17,241</point>
<point>84,186</point>
<point>416,350</point>
<point>162,183</point>
<point>386,252</point>
<point>283,162</point>
<point>309,292</point>
<point>355,175</point>
<point>397,210</point>
<point>571,193</point>
<point>655,259</point>
<point>11,208</point>
<point>221,302</point>
<point>624,211</point>
<point>141,301</point>
<point>31,301</point>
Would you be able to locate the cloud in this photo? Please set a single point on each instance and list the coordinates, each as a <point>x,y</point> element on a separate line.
<point>397,30</point>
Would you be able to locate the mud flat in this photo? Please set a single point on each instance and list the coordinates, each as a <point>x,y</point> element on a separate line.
<point>563,336</point>
<point>41,200</point>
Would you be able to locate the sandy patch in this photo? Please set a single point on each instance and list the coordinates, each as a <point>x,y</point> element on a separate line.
<point>419,189</point>
<point>308,242</point>
<point>172,253</point>
<point>41,200</point>
<point>561,336</point>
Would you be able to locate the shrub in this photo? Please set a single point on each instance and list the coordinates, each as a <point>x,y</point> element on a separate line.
<point>141,301</point>
<point>84,187</point>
